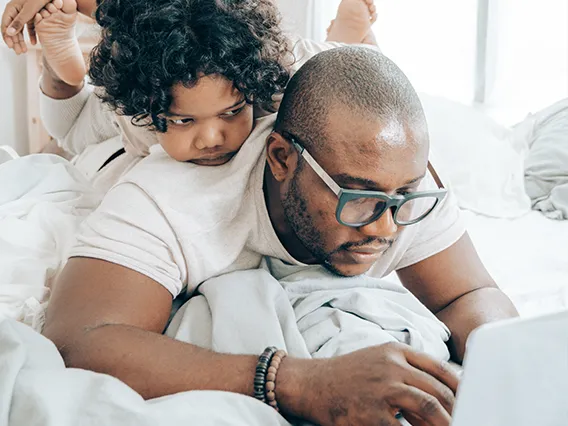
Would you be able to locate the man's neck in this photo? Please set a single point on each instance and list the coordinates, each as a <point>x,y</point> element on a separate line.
<point>284,231</point>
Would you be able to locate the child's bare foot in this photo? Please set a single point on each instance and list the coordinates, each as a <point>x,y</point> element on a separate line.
<point>353,21</point>
<point>55,28</point>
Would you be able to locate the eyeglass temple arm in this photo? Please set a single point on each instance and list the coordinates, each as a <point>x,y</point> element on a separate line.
<point>331,183</point>
<point>317,168</point>
<point>435,176</point>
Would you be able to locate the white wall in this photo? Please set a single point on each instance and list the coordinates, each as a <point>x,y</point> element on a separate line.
<point>432,41</point>
<point>527,61</point>
<point>13,100</point>
<point>298,16</point>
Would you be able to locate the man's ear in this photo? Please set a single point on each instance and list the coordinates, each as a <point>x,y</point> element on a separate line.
<point>281,156</point>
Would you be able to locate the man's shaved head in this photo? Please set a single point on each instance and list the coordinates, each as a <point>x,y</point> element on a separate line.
<point>358,116</point>
<point>359,79</point>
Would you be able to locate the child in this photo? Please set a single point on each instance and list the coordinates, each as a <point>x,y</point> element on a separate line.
<point>163,69</point>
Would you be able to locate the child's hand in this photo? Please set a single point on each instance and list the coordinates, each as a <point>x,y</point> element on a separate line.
<point>19,13</point>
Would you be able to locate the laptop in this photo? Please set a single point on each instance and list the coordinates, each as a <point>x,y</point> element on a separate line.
<point>516,374</point>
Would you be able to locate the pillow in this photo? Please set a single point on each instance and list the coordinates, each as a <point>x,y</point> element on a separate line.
<point>474,154</point>
<point>546,165</point>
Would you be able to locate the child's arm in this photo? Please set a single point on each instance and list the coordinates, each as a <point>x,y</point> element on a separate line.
<point>74,115</point>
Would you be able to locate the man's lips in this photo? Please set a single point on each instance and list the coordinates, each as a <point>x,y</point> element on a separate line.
<point>368,250</point>
<point>366,254</point>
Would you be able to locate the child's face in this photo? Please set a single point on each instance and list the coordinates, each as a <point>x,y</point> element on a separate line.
<point>208,123</point>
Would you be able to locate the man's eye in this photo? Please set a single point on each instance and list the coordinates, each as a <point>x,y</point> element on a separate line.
<point>180,121</point>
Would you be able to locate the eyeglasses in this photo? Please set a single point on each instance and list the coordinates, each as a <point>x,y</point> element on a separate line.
<point>356,208</point>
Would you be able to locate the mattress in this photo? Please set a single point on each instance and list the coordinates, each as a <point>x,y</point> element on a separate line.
<point>527,257</point>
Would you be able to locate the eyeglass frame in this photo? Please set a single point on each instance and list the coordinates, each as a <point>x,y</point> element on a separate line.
<point>345,195</point>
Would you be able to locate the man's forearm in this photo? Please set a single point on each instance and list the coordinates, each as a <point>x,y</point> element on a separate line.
<point>155,365</point>
<point>53,87</point>
<point>472,310</point>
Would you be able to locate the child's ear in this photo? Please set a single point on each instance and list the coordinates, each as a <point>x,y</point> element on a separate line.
<point>281,155</point>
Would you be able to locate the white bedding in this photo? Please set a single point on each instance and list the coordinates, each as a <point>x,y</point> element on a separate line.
<point>307,311</point>
<point>39,210</point>
<point>43,199</point>
<point>528,257</point>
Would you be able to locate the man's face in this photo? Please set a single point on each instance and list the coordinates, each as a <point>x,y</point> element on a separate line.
<point>207,123</point>
<point>365,154</point>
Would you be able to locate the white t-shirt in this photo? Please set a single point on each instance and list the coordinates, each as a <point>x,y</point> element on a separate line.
<point>84,126</point>
<point>181,224</point>
<point>83,120</point>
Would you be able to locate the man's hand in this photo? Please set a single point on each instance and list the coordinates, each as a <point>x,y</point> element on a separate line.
<point>370,386</point>
<point>16,16</point>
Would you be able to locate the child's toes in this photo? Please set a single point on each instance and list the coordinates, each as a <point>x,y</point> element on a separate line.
<point>38,18</point>
<point>51,8</point>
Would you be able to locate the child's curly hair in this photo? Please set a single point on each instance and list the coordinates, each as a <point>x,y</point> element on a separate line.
<point>148,46</point>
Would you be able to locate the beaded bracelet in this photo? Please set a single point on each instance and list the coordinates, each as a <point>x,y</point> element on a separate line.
<point>265,375</point>
<point>270,387</point>
<point>260,373</point>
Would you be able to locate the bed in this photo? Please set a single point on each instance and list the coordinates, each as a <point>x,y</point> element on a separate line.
<point>484,163</point>
<point>527,257</point>
<point>477,158</point>
<point>47,198</point>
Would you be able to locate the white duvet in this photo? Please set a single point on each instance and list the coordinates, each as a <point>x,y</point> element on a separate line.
<point>306,311</point>
<point>42,201</point>
<point>43,198</point>
<point>37,390</point>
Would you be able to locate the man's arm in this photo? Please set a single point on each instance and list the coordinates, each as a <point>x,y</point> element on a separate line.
<point>107,318</point>
<point>455,285</point>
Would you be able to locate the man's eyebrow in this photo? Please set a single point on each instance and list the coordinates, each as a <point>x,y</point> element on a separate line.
<point>346,179</point>
<point>175,114</point>
<point>413,181</point>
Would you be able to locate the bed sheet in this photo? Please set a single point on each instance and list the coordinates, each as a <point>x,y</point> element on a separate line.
<point>528,257</point>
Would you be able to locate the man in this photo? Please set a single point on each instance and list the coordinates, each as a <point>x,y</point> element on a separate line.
<point>342,181</point>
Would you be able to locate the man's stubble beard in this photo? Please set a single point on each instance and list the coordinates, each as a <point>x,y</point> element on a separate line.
<point>302,223</point>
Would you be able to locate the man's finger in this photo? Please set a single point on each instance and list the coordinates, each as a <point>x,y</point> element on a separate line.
<point>17,46</point>
<point>427,383</point>
<point>413,420</point>
<point>26,14</point>
<point>419,404</point>
<point>441,370</point>
<point>22,43</point>
<point>31,32</point>
<point>387,421</point>
<point>7,17</point>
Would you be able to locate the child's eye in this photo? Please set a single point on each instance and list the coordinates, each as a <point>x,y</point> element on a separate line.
<point>180,121</point>
<point>233,113</point>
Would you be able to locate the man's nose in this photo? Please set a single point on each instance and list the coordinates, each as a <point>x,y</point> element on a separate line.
<point>209,137</point>
<point>383,227</point>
